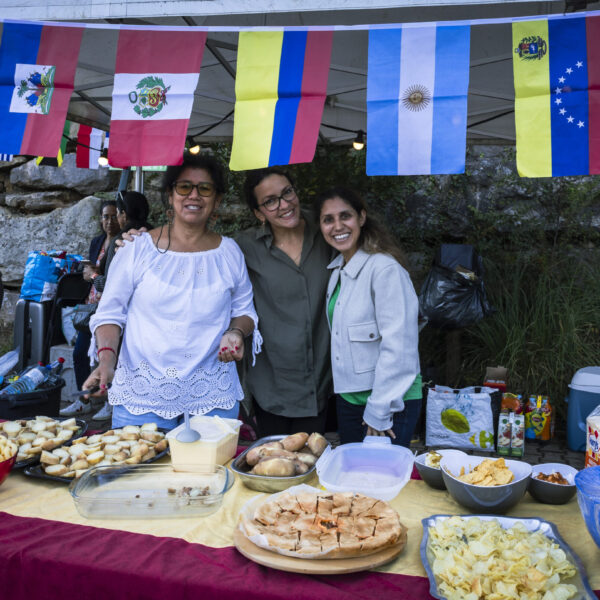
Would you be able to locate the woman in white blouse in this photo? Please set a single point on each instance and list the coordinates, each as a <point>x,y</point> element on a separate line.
<point>182,301</point>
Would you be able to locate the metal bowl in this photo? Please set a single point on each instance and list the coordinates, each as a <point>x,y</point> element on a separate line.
<point>263,483</point>
<point>552,493</point>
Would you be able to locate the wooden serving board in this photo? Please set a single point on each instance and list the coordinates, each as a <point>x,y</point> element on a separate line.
<point>323,566</point>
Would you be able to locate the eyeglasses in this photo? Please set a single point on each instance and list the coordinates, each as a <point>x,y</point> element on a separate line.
<point>184,188</point>
<point>274,202</point>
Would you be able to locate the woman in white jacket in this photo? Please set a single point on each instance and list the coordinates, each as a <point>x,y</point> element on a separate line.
<point>372,311</point>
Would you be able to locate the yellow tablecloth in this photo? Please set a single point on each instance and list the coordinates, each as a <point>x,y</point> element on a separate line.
<point>27,497</point>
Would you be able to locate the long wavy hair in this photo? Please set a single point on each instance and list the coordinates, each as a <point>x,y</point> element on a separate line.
<point>374,237</point>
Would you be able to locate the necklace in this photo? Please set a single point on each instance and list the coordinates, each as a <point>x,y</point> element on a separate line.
<point>294,256</point>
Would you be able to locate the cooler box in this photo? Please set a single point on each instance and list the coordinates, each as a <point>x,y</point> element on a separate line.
<point>583,397</point>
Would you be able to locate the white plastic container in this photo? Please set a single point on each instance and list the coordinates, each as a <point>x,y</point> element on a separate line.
<point>217,443</point>
<point>374,467</point>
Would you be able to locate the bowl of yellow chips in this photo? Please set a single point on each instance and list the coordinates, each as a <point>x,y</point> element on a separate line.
<point>485,485</point>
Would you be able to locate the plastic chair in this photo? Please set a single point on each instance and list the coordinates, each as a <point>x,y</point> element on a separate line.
<point>72,289</point>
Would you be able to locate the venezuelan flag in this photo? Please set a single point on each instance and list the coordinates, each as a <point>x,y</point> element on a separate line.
<point>37,71</point>
<point>556,66</point>
<point>280,88</point>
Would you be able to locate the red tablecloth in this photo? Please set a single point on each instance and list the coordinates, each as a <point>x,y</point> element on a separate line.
<point>43,559</point>
<point>48,559</point>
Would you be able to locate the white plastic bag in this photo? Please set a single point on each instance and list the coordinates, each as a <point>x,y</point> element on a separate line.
<point>460,418</point>
<point>68,329</point>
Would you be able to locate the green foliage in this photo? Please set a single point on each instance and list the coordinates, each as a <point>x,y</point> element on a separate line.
<point>546,326</point>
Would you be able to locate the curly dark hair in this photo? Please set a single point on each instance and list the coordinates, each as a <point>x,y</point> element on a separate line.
<point>253,178</point>
<point>195,161</point>
<point>374,237</point>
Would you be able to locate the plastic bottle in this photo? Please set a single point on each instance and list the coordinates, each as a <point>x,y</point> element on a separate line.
<point>34,378</point>
<point>8,361</point>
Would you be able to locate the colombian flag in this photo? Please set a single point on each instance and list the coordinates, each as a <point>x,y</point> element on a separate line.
<point>556,65</point>
<point>280,90</point>
<point>37,71</point>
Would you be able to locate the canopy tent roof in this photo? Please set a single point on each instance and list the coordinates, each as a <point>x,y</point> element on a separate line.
<point>491,92</point>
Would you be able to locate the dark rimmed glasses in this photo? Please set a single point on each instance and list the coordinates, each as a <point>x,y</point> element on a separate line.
<point>274,202</point>
<point>204,188</point>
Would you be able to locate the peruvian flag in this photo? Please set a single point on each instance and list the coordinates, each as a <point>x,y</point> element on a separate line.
<point>89,146</point>
<point>156,74</point>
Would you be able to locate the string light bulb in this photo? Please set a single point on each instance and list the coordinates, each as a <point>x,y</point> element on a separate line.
<point>359,140</point>
<point>103,158</point>
<point>192,147</point>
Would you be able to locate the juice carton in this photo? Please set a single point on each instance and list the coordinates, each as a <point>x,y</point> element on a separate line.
<point>538,418</point>
<point>546,409</point>
<point>530,408</point>
<point>504,434</point>
<point>592,447</point>
<point>517,435</point>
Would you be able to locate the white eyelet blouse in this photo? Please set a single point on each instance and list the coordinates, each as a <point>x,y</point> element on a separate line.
<point>173,308</point>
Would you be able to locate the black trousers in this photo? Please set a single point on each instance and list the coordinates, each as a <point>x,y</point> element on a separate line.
<point>351,429</point>
<point>270,424</point>
<point>81,360</point>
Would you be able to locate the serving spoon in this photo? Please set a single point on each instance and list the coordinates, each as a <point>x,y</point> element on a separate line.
<point>187,435</point>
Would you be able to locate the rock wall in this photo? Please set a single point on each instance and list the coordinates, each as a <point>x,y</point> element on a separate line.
<point>47,208</point>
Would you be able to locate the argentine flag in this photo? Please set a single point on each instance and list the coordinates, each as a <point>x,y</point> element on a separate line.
<point>417,86</point>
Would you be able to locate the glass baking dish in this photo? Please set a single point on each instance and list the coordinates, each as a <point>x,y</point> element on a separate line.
<point>147,491</point>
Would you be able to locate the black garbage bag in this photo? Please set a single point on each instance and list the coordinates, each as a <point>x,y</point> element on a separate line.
<point>453,294</point>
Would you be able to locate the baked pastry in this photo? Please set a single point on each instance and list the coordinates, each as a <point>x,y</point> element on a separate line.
<point>324,525</point>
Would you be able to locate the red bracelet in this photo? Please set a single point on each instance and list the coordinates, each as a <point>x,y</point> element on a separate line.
<point>106,348</point>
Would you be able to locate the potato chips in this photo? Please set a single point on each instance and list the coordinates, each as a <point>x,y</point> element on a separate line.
<point>7,449</point>
<point>473,559</point>
<point>488,473</point>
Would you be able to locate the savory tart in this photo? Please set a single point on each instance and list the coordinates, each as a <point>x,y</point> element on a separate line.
<point>324,525</point>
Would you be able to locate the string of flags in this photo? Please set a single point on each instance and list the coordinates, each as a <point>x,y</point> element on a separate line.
<point>417,90</point>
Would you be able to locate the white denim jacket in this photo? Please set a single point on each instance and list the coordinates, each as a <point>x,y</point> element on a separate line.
<point>374,333</point>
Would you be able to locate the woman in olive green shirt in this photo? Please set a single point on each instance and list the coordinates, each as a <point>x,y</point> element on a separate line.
<point>287,263</point>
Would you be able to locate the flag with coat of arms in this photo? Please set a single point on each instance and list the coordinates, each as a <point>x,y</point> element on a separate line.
<point>156,74</point>
<point>37,72</point>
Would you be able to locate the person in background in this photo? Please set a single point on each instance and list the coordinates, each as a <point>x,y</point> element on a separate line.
<point>286,256</point>
<point>372,311</point>
<point>181,298</point>
<point>92,270</point>
<point>132,213</point>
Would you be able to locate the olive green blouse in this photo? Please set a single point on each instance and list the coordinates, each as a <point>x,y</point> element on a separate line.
<point>292,374</point>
